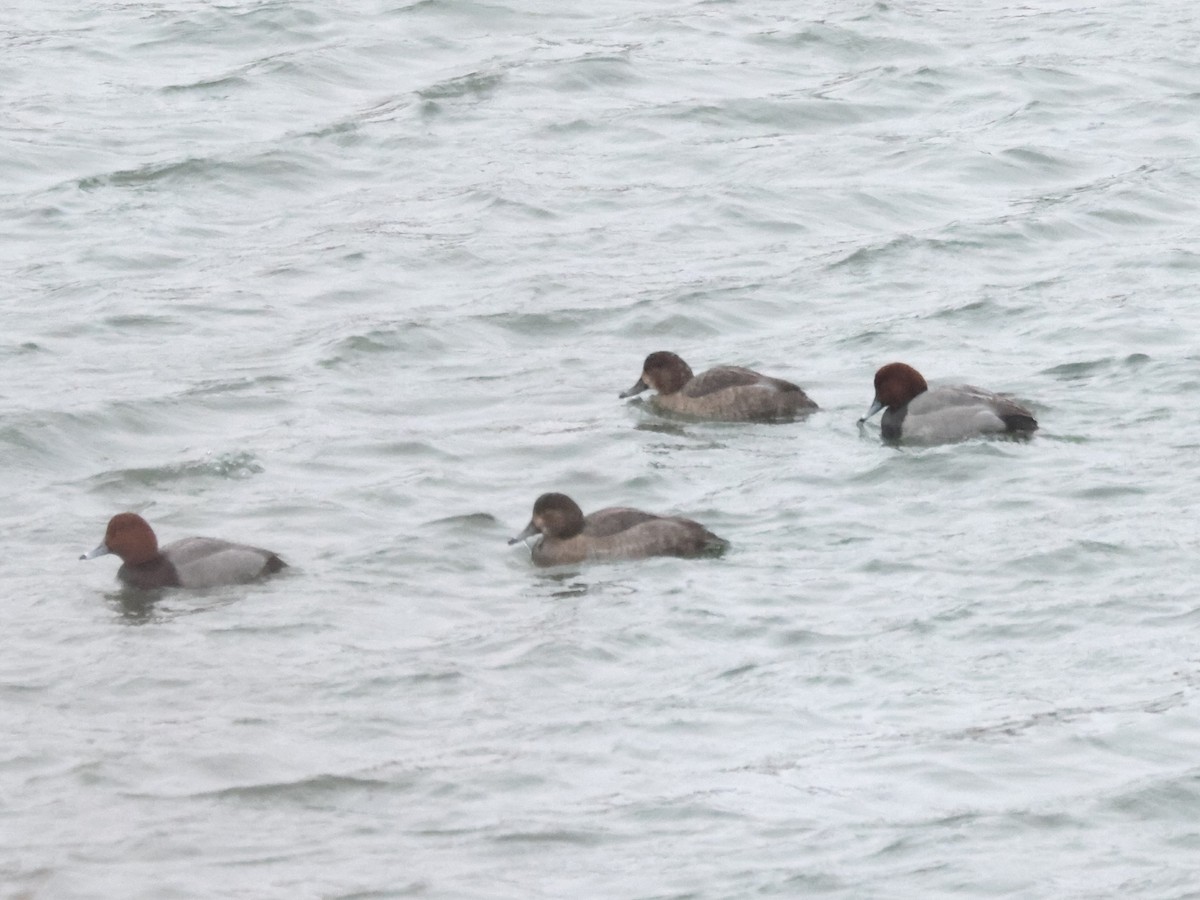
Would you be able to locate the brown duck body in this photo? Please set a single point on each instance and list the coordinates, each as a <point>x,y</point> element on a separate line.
<point>722,394</point>
<point>614,533</point>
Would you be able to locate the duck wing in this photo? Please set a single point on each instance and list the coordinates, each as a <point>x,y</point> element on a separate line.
<point>204,562</point>
<point>632,534</point>
<point>614,520</point>
<point>953,404</point>
<point>724,377</point>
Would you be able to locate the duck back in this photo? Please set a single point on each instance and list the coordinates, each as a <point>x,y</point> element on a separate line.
<point>737,394</point>
<point>618,533</point>
<point>954,413</point>
<point>207,562</point>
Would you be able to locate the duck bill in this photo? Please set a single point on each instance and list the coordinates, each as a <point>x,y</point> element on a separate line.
<point>530,531</point>
<point>876,406</point>
<point>102,550</point>
<point>637,388</point>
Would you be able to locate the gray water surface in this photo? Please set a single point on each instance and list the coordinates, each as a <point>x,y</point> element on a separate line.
<point>357,282</point>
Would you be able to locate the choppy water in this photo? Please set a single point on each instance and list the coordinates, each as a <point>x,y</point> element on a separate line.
<point>358,281</point>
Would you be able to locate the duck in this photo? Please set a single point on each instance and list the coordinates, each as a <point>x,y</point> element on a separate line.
<point>192,562</point>
<point>722,394</point>
<point>569,537</point>
<point>918,414</point>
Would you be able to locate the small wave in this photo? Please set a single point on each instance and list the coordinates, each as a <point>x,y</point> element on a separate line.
<point>474,85</point>
<point>23,349</point>
<point>406,341</point>
<point>302,790</point>
<point>272,165</point>
<point>1068,714</point>
<point>204,84</point>
<point>470,520</point>
<point>236,465</point>
<point>553,836</point>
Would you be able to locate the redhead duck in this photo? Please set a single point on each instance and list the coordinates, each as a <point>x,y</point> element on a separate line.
<point>919,414</point>
<point>194,562</point>
<point>723,394</point>
<point>568,537</point>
